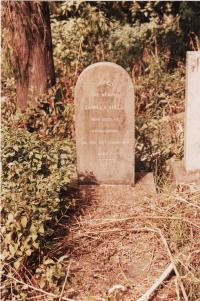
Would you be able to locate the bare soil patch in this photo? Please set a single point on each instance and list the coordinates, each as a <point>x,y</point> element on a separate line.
<point>112,247</point>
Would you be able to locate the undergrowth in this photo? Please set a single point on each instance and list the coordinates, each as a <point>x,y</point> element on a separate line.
<point>38,150</point>
<point>38,161</point>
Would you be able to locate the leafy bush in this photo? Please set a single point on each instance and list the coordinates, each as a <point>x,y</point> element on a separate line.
<point>38,149</point>
<point>51,116</point>
<point>131,42</point>
<point>90,35</point>
<point>159,96</point>
<point>34,172</point>
<point>80,41</point>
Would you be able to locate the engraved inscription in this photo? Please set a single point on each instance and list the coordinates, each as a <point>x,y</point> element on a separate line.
<point>105,131</point>
<point>105,124</point>
<point>113,142</point>
<point>102,119</point>
<point>103,107</point>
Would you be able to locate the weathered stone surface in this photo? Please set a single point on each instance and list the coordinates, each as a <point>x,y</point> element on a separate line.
<point>192,116</point>
<point>181,176</point>
<point>104,120</point>
<point>145,182</point>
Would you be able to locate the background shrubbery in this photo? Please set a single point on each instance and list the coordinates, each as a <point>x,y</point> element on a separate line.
<point>38,161</point>
<point>36,172</point>
<point>149,40</point>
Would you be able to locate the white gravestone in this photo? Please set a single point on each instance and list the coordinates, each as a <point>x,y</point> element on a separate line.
<point>192,116</point>
<point>104,98</point>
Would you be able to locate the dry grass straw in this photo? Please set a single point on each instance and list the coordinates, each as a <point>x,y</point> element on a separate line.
<point>171,222</point>
<point>175,219</point>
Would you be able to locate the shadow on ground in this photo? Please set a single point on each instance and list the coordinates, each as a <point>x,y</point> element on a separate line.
<point>79,198</point>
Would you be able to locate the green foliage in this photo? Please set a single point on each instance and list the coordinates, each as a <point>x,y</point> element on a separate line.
<point>51,116</point>
<point>38,160</point>
<point>190,17</point>
<point>149,39</point>
<point>93,36</point>
<point>34,171</point>
<point>79,42</point>
<point>51,273</point>
<point>159,95</point>
<point>37,168</point>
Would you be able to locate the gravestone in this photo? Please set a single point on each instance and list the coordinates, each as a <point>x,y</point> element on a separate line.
<point>188,170</point>
<point>104,121</point>
<point>192,118</point>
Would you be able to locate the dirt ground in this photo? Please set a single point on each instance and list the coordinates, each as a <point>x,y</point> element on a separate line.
<point>114,252</point>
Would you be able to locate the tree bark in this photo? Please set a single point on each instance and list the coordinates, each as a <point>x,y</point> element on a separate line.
<point>32,49</point>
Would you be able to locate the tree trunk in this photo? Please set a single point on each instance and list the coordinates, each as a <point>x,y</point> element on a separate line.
<point>32,49</point>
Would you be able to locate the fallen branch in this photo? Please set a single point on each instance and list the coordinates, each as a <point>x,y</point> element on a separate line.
<point>66,277</point>
<point>174,266</point>
<point>119,220</point>
<point>118,230</point>
<point>158,282</point>
<point>165,274</point>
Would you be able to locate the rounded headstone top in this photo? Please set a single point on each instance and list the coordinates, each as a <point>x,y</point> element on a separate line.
<point>102,64</point>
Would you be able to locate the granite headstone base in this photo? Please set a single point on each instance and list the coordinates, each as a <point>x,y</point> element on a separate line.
<point>143,181</point>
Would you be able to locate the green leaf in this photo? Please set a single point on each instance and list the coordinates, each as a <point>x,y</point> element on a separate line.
<point>15,147</point>
<point>36,245</point>
<point>17,264</point>
<point>63,257</point>
<point>10,217</point>
<point>28,252</point>
<point>24,221</point>
<point>11,249</point>
<point>42,283</point>
<point>41,229</point>
<point>48,261</point>
<point>38,156</point>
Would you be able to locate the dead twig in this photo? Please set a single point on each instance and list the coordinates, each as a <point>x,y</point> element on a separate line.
<point>77,61</point>
<point>177,289</point>
<point>119,220</point>
<point>67,274</point>
<point>35,297</point>
<point>174,266</point>
<point>157,283</point>
<point>181,199</point>
<point>11,286</point>
<point>91,234</point>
